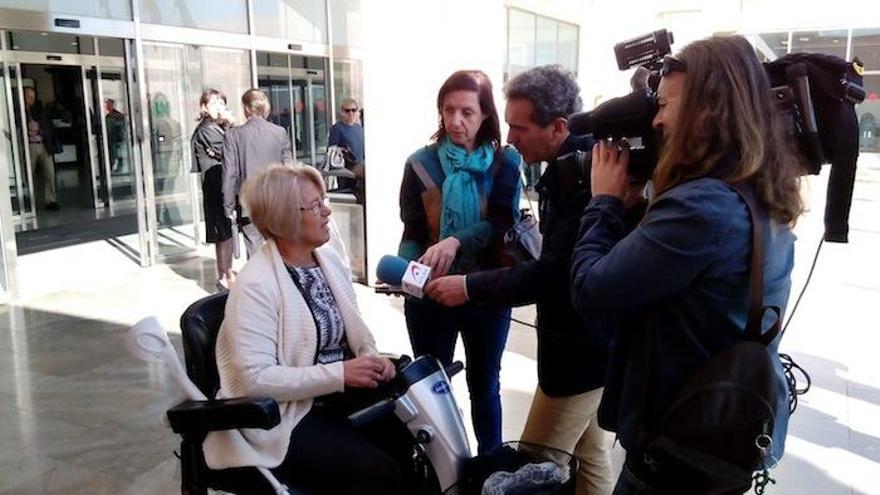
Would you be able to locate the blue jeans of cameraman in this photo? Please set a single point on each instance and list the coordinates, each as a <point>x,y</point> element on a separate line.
<point>433,330</point>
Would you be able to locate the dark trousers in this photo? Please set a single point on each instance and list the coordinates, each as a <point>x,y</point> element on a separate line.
<point>629,483</point>
<point>327,455</point>
<point>433,330</point>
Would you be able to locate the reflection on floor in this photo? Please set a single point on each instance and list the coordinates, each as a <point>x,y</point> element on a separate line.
<point>73,224</point>
<point>75,415</point>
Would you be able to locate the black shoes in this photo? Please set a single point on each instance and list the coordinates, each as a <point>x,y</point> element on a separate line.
<point>53,206</point>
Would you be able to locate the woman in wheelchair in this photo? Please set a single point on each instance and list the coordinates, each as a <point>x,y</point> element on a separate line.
<point>292,331</point>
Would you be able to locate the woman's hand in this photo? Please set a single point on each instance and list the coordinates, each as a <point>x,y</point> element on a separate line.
<point>366,371</point>
<point>388,371</point>
<point>440,256</point>
<point>609,174</point>
<point>448,291</point>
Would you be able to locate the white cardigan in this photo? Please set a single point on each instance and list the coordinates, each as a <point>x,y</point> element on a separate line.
<point>267,346</point>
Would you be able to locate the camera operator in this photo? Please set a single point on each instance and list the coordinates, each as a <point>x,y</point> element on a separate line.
<point>680,280</point>
<point>572,355</point>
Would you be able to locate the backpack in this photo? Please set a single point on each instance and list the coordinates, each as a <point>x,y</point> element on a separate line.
<point>719,431</point>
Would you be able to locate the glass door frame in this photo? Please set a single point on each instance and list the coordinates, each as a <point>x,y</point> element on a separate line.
<point>135,33</point>
<point>13,60</point>
<point>8,245</point>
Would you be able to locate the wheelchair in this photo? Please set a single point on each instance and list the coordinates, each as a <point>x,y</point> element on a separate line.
<point>193,419</point>
<point>420,397</point>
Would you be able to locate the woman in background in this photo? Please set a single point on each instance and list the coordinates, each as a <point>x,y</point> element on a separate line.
<point>207,152</point>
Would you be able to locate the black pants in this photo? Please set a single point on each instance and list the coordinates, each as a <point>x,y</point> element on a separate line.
<point>329,456</point>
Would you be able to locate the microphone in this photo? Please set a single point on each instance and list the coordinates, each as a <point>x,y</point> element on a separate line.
<point>410,276</point>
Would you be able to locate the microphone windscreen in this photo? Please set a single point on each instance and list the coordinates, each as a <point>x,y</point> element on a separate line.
<point>580,124</point>
<point>391,269</point>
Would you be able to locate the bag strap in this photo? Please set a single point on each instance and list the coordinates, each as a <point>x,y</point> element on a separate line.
<point>496,165</point>
<point>423,174</point>
<point>756,271</point>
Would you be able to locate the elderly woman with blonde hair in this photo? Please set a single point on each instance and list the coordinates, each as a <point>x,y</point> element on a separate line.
<point>292,331</point>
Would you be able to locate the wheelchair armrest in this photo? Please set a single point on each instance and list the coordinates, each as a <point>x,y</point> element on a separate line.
<point>202,416</point>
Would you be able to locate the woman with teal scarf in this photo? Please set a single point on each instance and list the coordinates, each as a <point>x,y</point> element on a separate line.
<point>458,197</point>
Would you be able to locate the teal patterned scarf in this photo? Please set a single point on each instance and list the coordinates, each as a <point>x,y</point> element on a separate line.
<point>465,173</point>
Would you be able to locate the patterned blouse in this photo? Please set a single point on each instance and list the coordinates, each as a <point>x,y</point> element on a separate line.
<point>332,345</point>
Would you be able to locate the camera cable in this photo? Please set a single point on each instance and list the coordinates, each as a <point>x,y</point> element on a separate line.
<point>789,366</point>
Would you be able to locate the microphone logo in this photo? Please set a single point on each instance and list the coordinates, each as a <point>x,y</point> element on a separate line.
<point>416,271</point>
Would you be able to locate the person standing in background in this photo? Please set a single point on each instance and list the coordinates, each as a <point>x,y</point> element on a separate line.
<point>207,152</point>
<point>42,144</point>
<point>349,133</point>
<point>247,150</point>
<point>115,123</point>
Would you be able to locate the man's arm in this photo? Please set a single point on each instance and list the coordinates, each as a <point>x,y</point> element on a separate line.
<point>613,271</point>
<point>286,149</point>
<point>523,283</point>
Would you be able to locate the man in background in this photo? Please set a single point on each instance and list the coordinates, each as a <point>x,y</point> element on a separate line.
<point>349,133</point>
<point>248,149</point>
<point>42,144</point>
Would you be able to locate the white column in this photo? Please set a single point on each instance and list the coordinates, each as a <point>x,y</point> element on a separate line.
<point>410,48</point>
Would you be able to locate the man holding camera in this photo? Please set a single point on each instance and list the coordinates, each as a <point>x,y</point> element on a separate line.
<point>572,353</point>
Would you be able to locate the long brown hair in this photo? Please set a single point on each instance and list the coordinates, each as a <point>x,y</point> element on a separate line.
<point>726,110</point>
<point>478,82</point>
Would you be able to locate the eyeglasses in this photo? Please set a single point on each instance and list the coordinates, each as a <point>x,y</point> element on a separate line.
<point>349,110</point>
<point>672,64</point>
<point>317,207</point>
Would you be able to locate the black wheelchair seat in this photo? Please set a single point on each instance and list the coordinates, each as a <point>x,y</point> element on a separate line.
<point>193,420</point>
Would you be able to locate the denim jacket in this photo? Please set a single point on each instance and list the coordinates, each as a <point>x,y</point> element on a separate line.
<point>687,265</point>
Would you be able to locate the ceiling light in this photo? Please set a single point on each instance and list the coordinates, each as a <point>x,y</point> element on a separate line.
<point>803,39</point>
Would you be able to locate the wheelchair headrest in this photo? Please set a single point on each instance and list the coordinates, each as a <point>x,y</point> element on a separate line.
<point>200,324</point>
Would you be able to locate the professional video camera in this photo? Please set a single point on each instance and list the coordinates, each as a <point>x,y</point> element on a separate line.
<point>816,94</point>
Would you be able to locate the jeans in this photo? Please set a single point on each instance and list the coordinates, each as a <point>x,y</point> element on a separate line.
<point>433,330</point>
<point>532,173</point>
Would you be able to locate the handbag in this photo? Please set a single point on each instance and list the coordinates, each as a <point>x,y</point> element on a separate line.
<point>521,243</point>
